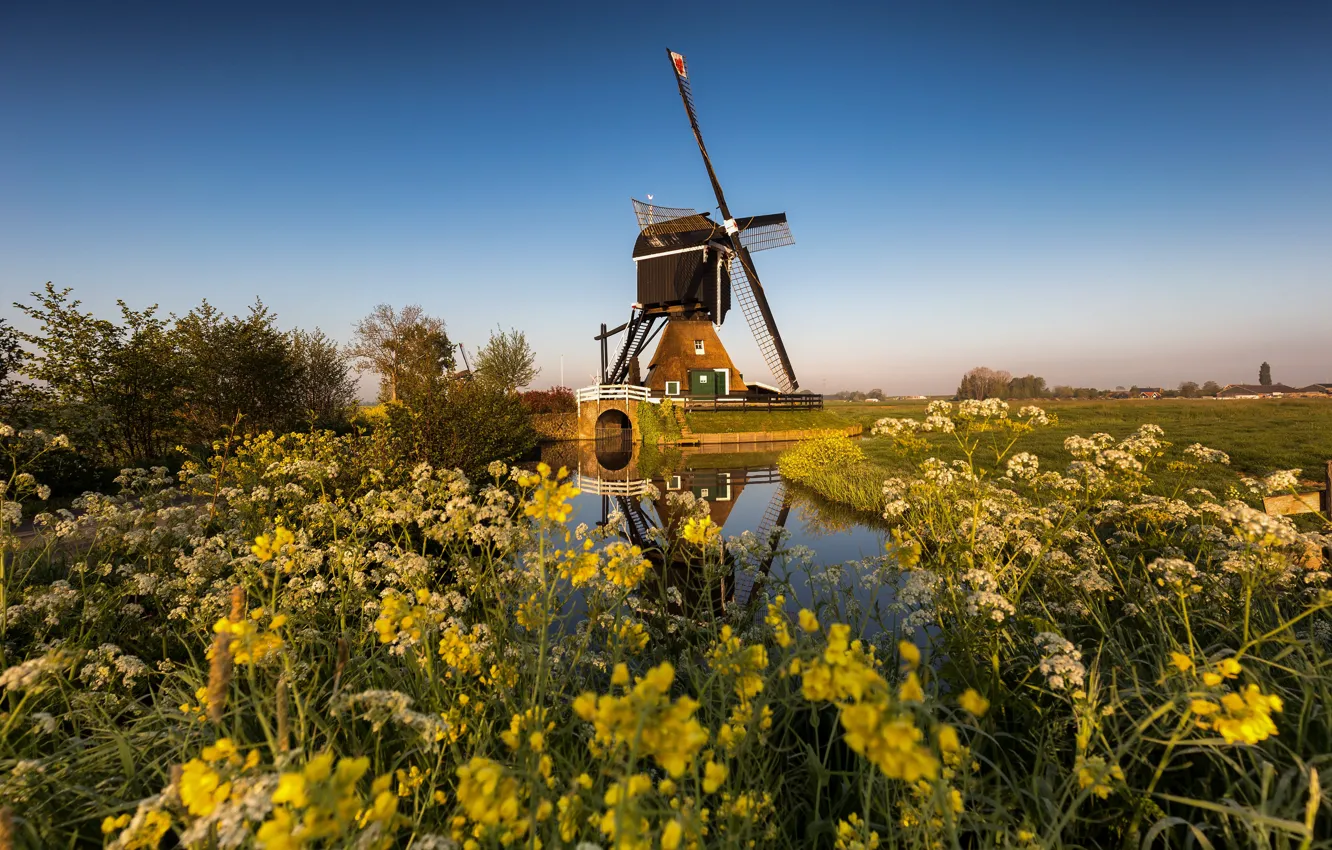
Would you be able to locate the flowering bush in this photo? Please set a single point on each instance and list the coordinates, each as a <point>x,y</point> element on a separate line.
<point>295,645</point>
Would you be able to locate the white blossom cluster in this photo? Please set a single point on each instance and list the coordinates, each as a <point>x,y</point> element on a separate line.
<point>1061,662</point>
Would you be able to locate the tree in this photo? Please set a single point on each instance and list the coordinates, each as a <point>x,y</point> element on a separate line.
<point>1028,386</point>
<point>111,387</point>
<point>324,386</point>
<point>876,393</point>
<point>145,383</point>
<point>1188,389</point>
<point>236,366</point>
<point>983,382</point>
<point>1210,388</point>
<point>401,347</point>
<point>1265,375</point>
<point>11,362</point>
<point>507,361</point>
<point>464,424</point>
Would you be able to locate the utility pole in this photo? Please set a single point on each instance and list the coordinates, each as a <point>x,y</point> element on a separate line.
<point>561,370</point>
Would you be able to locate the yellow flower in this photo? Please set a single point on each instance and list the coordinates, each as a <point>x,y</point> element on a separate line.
<point>490,798</point>
<point>625,565</point>
<point>949,744</point>
<point>201,788</point>
<point>776,619</point>
<point>291,789</point>
<point>1203,707</point>
<point>646,719</point>
<point>713,776</point>
<point>220,750</point>
<point>551,499</point>
<point>854,834</point>
<point>265,547</point>
<point>1248,716</point>
<point>701,532</point>
<point>1182,662</point>
<point>672,835</point>
<point>1094,774</point>
<point>633,636</point>
<point>1211,680</point>
<point>111,824</point>
<point>891,743</point>
<point>808,622</point>
<point>972,701</point>
<point>911,691</point>
<point>746,663</point>
<point>910,653</point>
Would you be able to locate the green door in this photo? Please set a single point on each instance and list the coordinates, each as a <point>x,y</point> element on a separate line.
<point>702,382</point>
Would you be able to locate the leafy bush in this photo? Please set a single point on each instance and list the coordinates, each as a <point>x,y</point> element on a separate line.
<point>464,424</point>
<point>658,422</point>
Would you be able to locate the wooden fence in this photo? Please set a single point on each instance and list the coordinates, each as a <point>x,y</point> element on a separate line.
<point>767,401</point>
<point>1312,502</point>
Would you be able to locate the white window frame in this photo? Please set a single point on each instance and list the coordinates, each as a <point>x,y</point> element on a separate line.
<point>723,486</point>
<point>672,388</point>
<point>673,483</point>
<point>698,346</point>
<point>703,377</point>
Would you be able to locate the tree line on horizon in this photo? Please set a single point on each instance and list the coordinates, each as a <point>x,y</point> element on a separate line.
<point>143,388</point>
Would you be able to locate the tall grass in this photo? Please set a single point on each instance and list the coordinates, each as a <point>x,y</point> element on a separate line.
<point>836,468</point>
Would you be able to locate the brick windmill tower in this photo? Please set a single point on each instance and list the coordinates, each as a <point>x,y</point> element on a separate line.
<point>689,268</point>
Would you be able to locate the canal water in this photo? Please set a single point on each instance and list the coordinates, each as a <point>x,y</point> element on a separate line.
<point>744,492</point>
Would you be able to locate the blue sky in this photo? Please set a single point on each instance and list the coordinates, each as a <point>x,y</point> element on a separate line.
<point>1101,194</point>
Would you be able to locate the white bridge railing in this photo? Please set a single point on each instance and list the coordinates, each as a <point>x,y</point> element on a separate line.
<point>600,487</point>
<point>612,392</point>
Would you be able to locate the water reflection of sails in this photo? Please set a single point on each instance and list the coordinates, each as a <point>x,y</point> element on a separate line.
<point>655,509</point>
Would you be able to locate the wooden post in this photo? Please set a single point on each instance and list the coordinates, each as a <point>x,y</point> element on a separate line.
<point>1327,492</point>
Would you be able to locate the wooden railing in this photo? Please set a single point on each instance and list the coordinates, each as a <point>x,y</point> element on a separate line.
<point>602,487</point>
<point>612,392</point>
<point>772,401</point>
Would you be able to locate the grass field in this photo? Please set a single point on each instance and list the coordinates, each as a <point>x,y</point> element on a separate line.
<point>1259,435</point>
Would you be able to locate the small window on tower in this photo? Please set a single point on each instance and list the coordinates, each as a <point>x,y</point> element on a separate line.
<point>698,346</point>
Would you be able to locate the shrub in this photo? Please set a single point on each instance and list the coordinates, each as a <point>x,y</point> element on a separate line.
<point>464,425</point>
<point>658,422</point>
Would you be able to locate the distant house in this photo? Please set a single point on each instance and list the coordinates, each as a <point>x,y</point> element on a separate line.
<point>1257,391</point>
<point>1150,392</point>
<point>1316,390</point>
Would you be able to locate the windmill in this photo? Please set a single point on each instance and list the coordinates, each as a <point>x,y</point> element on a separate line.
<point>689,267</point>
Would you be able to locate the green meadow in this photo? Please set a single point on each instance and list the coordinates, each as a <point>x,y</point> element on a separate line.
<point>1260,436</point>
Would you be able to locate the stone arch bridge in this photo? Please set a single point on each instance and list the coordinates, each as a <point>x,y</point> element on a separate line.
<point>609,411</point>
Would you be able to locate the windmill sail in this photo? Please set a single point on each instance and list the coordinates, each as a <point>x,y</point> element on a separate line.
<point>744,279</point>
<point>754,304</point>
<point>762,232</point>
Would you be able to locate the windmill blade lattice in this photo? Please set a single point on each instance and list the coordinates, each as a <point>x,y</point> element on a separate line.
<point>754,305</point>
<point>760,235</point>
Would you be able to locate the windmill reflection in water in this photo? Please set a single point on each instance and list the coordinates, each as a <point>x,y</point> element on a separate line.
<point>649,503</point>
